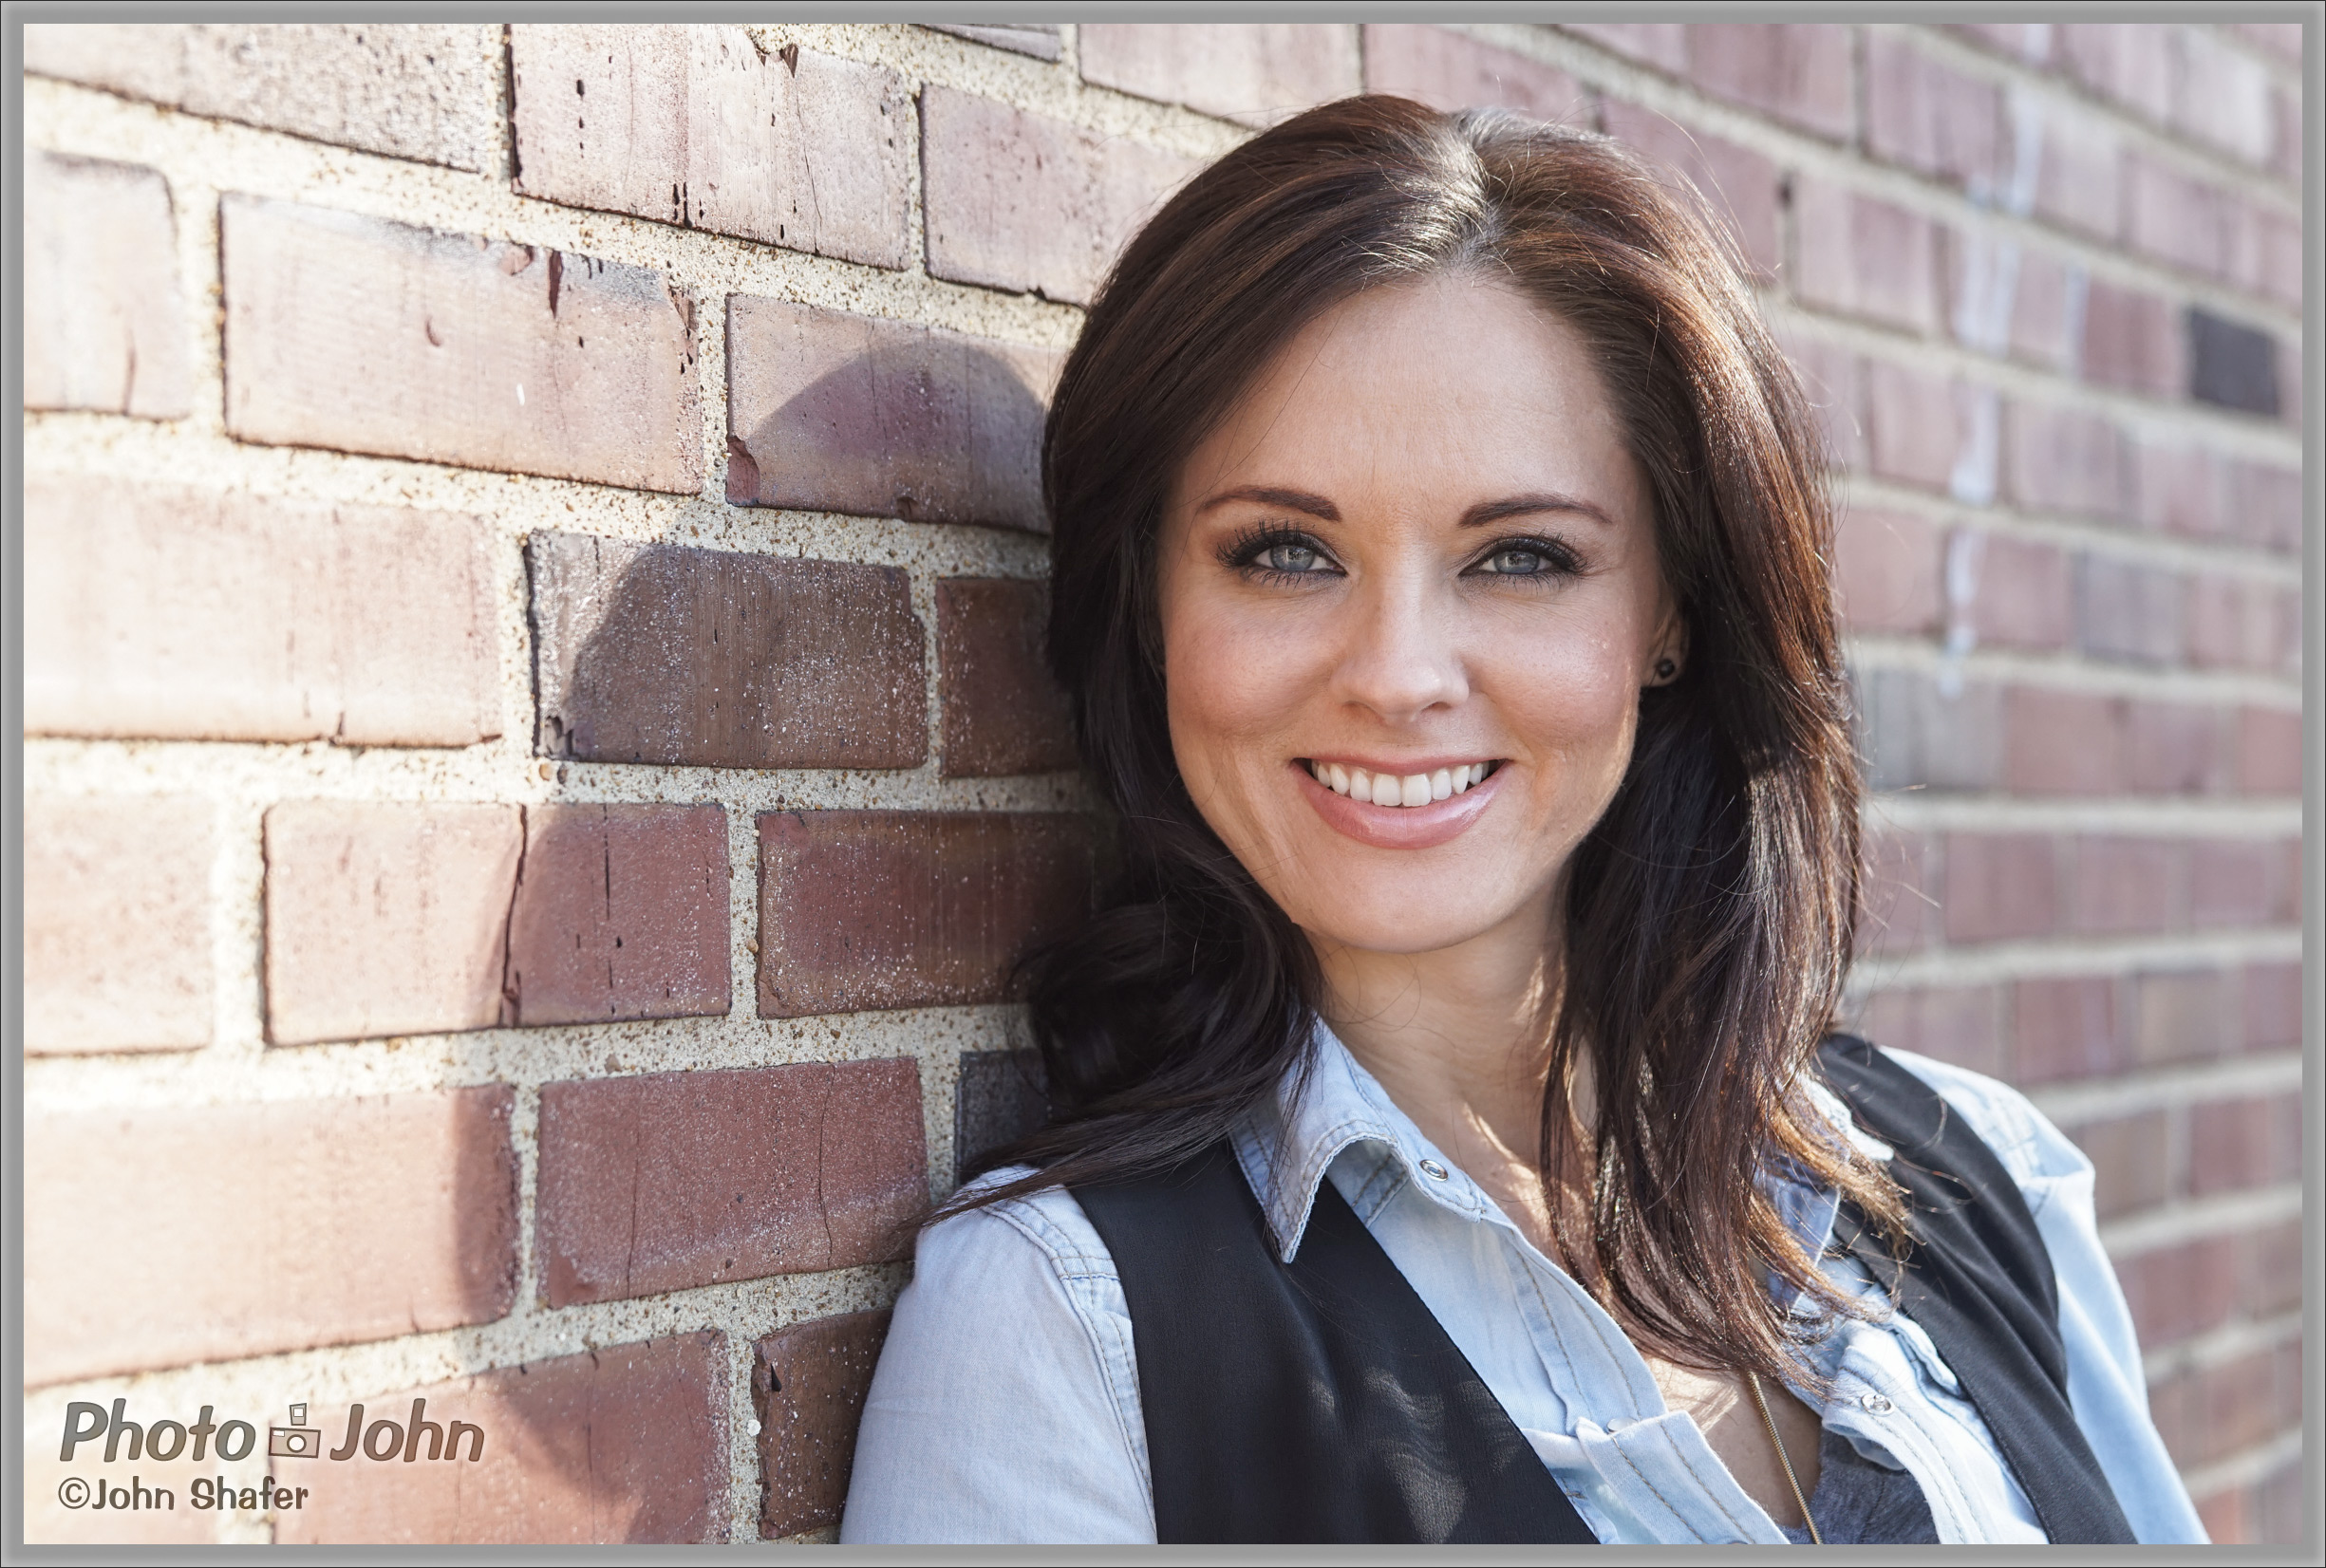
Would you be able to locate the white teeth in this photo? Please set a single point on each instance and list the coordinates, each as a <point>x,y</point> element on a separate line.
<point>1477,772</point>
<point>1461,780</point>
<point>1340,779</point>
<point>1360,785</point>
<point>1441,784</point>
<point>1395,789</point>
<point>1386,791</point>
<point>1414,790</point>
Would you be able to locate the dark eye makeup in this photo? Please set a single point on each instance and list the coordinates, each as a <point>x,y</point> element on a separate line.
<point>1278,553</point>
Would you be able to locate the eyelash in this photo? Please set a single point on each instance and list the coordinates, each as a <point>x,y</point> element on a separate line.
<point>1243,553</point>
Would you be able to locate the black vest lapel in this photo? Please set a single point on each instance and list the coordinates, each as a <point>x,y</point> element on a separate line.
<point>1980,1281</point>
<point>1319,1401</point>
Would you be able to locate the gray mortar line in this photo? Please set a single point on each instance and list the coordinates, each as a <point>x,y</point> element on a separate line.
<point>2067,672</point>
<point>2168,1087</point>
<point>1993,962</point>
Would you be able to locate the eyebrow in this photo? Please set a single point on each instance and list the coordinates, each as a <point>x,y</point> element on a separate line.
<point>1520,506</point>
<point>1295,500</point>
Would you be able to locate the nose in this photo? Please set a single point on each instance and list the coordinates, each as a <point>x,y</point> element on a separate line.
<point>1399,656</point>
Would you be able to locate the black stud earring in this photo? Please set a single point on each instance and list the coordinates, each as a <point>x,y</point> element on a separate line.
<point>1665,669</point>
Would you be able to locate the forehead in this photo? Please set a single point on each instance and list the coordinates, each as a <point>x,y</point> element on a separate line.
<point>1444,385</point>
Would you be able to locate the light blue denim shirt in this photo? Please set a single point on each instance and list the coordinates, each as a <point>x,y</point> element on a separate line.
<point>1005,1407</point>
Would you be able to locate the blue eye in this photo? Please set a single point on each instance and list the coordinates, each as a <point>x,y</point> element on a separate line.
<point>1514,563</point>
<point>1290,558</point>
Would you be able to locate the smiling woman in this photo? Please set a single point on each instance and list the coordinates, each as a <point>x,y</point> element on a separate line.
<point>1449,1139</point>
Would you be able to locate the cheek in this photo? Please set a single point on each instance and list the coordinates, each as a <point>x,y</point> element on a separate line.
<point>1231,681</point>
<point>1577,699</point>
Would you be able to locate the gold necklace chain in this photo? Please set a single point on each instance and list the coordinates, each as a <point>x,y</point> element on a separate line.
<point>1784,1459</point>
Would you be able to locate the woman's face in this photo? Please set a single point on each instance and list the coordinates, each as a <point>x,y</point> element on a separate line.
<point>1415,553</point>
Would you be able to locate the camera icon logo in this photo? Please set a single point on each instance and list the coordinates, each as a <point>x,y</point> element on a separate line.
<point>296,1441</point>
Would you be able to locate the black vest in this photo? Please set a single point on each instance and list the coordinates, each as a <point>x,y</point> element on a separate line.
<point>1320,1401</point>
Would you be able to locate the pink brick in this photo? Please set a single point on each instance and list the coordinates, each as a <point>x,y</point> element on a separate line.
<point>2273,267</point>
<point>2133,341</point>
<point>697,125</point>
<point>2282,39</point>
<point>1663,45</point>
<point>673,1179</point>
<point>1899,896</point>
<point>2044,302</point>
<point>385,918</point>
<point>117,942</point>
<point>104,320</point>
<point>2245,1143</point>
<point>2177,218</point>
<point>2067,1028</point>
<point>2235,882</point>
<point>829,411</point>
<point>2236,623</point>
<point>2022,599</point>
<point>1858,255</point>
<point>808,1385</point>
<point>2285,157</point>
<point>1014,200</point>
<point>2057,459</point>
<point>2131,1168</point>
<point>1958,1026</point>
<point>2178,489</point>
<point>2000,887</point>
<point>1739,185</point>
<point>2223,97</point>
<point>1448,70</point>
<point>1016,37</point>
<point>2269,751</point>
<point>1888,565</point>
<point>620,912</point>
<point>2059,742</point>
<point>2176,1292</point>
<point>2125,885</point>
<point>881,909</point>
<point>207,615</point>
<point>2079,173</point>
<point>2031,42</point>
<point>1255,74</point>
<point>2272,997</point>
<point>2262,505</point>
<point>2128,611</point>
<point>362,335</point>
<point>1833,381</point>
<point>1800,73</point>
<point>2175,748</point>
<point>1915,427</point>
<point>2133,62</point>
<point>621,1444</point>
<point>1931,118</point>
<point>265,1227</point>
<point>2180,1015</point>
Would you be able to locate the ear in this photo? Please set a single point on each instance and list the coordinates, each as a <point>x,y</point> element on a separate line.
<point>1668,649</point>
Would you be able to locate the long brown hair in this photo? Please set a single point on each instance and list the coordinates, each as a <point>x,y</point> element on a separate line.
<point>1708,913</point>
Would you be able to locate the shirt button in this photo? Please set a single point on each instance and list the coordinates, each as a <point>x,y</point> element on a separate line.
<point>1435,1171</point>
<point>1875,1403</point>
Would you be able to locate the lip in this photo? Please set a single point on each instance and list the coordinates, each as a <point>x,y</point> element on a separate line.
<point>1399,826</point>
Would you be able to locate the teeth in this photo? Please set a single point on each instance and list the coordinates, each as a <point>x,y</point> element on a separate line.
<point>1340,780</point>
<point>1441,784</point>
<point>1360,784</point>
<point>1393,789</point>
<point>1414,790</point>
<point>1386,791</point>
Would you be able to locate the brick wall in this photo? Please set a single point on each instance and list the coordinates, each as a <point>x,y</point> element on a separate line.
<point>535,763</point>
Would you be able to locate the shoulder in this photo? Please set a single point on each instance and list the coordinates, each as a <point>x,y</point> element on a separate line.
<point>2038,1156</point>
<point>1043,1234</point>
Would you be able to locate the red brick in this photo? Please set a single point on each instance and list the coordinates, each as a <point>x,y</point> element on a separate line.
<point>1958,1026</point>
<point>1833,381</point>
<point>362,335</point>
<point>2178,489</point>
<point>673,1179</point>
<point>2236,623</point>
<point>1888,568</point>
<point>620,912</point>
<point>808,1385</point>
<point>2269,751</point>
<point>1016,200</point>
<point>2210,1412</point>
<point>1915,426</point>
<point>2022,598</point>
<point>2001,886</point>
<point>1931,118</point>
<point>1858,255</point>
<point>1004,713</point>
<point>2177,218</point>
<point>2060,743</point>
<point>2133,341</point>
<point>2058,459</point>
<point>2079,172</point>
<point>879,909</point>
<point>105,321</point>
<point>2223,97</point>
<point>622,1444</point>
<point>1898,895</point>
<point>1663,45</point>
<point>1255,74</point>
<point>385,918</point>
<point>2129,885</point>
<point>263,1227</point>
<point>1016,37</point>
<point>1915,735</point>
<point>117,942</point>
<point>2272,1010</point>
<point>1797,72</point>
<point>417,90</point>
<point>2270,1268</point>
<point>2066,1028</point>
<point>207,615</point>
<point>658,653</point>
<point>2245,1143</point>
<point>699,126</point>
<point>2172,748</point>
<point>1448,70</point>
<point>2179,1016</point>
<point>2129,1162</point>
<point>2176,1292</point>
<point>2133,62</point>
<point>1738,185</point>
<point>2128,611</point>
<point>2236,882</point>
<point>832,412</point>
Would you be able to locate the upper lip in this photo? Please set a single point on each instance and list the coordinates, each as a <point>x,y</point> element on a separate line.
<point>1407,767</point>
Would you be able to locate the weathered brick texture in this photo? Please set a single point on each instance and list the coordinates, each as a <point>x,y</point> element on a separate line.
<point>700,125</point>
<point>417,90</point>
<point>1253,74</point>
<point>1004,713</point>
<point>672,1180</point>
<point>116,941</point>
<point>362,335</point>
<point>623,1444</point>
<point>1449,71</point>
<point>832,412</point>
<point>656,653</point>
<point>808,1385</point>
<point>879,909</point>
<point>159,611</point>
<point>1741,185</point>
<point>163,1235</point>
<point>105,322</point>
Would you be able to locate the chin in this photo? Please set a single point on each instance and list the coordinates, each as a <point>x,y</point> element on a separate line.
<point>1397,911</point>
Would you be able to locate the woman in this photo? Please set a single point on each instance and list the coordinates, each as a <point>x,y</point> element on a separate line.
<point>1449,1144</point>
